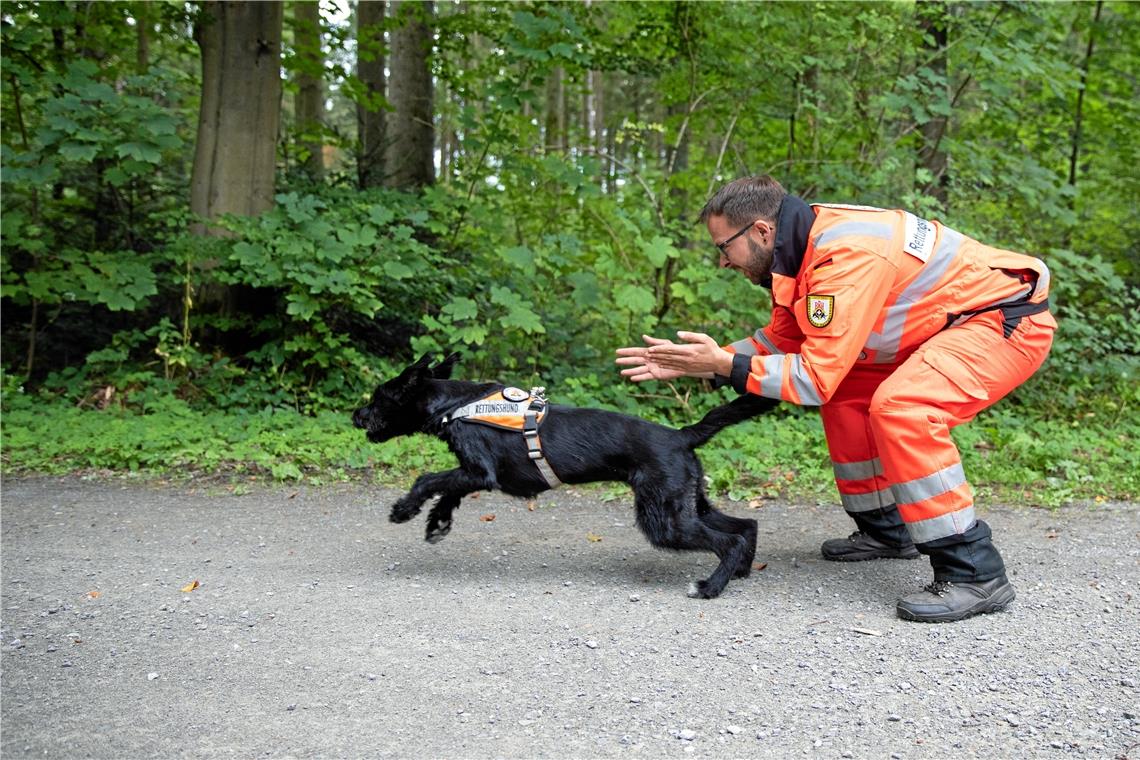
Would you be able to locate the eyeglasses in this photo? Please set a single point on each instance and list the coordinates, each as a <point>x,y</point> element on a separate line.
<point>724,245</point>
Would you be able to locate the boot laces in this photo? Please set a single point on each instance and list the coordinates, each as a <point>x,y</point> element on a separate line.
<point>938,587</point>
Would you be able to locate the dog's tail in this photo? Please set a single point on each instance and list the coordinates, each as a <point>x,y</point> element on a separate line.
<point>738,410</point>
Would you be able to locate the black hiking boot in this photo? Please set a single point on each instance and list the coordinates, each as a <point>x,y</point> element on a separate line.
<point>859,546</point>
<point>946,601</point>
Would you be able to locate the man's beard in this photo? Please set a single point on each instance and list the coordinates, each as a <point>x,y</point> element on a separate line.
<point>758,270</point>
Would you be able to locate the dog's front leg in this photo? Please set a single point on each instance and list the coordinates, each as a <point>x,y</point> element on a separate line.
<point>429,485</point>
<point>439,518</point>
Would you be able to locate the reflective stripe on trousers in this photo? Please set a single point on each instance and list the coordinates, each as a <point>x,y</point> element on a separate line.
<point>946,382</point>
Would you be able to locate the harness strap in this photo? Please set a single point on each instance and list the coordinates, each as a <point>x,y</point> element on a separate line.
<point>502,410</point>
<point>534,443</point>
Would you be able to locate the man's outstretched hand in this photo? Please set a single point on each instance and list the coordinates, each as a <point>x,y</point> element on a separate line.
<point>659,359</point>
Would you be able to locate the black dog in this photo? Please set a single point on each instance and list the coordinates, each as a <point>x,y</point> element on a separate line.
<point>582,446</point>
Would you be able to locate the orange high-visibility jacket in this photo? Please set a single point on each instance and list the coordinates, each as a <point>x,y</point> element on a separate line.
<point>852,284</point>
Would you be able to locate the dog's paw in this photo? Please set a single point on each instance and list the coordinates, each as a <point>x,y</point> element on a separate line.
<point>402,511</point>
<point>436,531</point>
<point>703,590</point>
<point>744,570</point>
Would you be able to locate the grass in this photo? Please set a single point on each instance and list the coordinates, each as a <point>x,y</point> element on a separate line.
<point>1009,458</point>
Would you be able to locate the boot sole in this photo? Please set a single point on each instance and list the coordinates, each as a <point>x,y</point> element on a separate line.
<point>999,601</point>
<point>866,557</point>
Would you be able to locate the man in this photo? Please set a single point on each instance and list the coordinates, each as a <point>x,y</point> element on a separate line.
<point>899,328</point>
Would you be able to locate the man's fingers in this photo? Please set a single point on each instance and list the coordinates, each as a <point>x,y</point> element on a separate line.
<point>651,341</point>
<point>630,360</point>
<point>632,351</point>
<point>693,337</point>
<point>637,374</point>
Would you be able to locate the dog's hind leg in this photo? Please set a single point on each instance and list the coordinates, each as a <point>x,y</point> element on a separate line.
<point>426,486</point>
<point>729,547</point>
<point>718,520</point>
<point>439,518</point>
<point>670,526</point>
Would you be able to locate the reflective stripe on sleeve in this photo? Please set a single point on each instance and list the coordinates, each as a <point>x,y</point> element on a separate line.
<point>803,384</point>
<point>747,346</point>
<point>762,339</point>
<point>772,381</point>
<point>744,347</point>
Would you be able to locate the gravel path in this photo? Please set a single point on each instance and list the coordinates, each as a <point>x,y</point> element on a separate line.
<point>320,629</point>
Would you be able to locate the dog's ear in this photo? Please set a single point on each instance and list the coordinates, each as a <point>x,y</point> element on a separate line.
<point>442,371</point>
<point>413,373</point>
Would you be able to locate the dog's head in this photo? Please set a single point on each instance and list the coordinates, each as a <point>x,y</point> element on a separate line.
<point>397,406</point>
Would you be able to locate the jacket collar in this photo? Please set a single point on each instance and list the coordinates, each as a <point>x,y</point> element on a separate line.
<point>793,226</point>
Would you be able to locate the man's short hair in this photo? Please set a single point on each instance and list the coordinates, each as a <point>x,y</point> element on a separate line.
<point>745,200</point>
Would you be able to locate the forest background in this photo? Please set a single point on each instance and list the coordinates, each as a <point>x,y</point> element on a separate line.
<point>224,223</point>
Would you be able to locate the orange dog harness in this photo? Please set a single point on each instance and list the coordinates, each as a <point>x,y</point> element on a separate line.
<point>513,409</point>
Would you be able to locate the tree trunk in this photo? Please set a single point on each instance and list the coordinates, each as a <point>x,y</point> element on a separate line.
<point>234,158</point>
<point>934,20</point>
<point>1074,155</point>
<point>597,136</point>
<point>370,113</point>
<point>143,30</point>
<point>410,154</point>
<point>309,103</point>
<point>555,122</point>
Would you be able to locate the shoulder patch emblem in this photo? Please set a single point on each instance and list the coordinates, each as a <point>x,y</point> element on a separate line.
<point>820,310</point>
<point>515,394</point>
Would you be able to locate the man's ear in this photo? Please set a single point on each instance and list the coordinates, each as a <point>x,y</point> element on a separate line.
<point>442,371</point>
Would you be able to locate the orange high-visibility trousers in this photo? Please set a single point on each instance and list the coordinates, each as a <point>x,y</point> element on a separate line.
<point>888,430</point>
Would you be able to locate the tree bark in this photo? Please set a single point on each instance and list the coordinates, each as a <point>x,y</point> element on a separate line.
<point>234,158</point>
<point>410,154</point>
<point>1074,155</point>
<point>555,122</point>
<point>370,113</point>
<point>309,103</point>
<point>934,20</point>
<point>143,30</point>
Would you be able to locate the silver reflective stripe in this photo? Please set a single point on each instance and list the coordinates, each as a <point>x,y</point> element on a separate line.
<point>950,524</point>
<point>803,384</point>
<point>1015,297</point>
<point>745,347</point>
<point>469,410</point>
<point>886,343</point>
<point>865,502</point>
<point>773,376</point>
<point>867,229</point>
<point>943,481</point>
<point>857,470</point>
<point>762,339</point>
<point>1043,279</point>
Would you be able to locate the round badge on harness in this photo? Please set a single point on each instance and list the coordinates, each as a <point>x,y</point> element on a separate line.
<point>515,394</point>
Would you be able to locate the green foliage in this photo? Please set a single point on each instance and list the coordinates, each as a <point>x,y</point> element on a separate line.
<point>1010,459</point>
<point>328,261</point>
<point>551,238</point>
